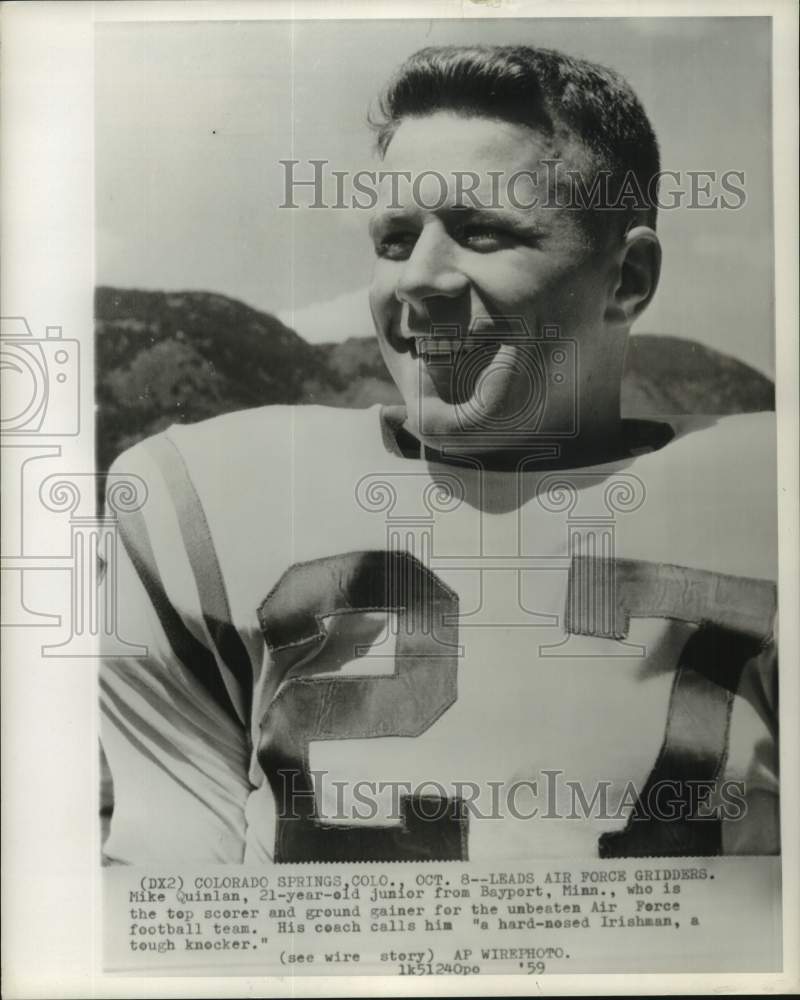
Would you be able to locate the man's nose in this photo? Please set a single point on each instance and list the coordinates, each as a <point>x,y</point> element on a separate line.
<point>431,270</point>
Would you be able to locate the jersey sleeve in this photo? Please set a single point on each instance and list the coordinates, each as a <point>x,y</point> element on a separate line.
<point>172,722</point>
<point>753,827</point>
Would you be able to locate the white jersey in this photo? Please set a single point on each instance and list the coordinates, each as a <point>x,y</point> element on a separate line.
<point>355,655</point>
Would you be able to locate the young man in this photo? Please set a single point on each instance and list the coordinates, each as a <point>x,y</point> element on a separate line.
<point>500,621</point>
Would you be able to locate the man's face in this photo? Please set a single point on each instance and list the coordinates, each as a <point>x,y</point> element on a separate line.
<point>462,297</point>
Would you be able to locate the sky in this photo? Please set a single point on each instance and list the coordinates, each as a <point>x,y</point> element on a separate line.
<point>193,119</point>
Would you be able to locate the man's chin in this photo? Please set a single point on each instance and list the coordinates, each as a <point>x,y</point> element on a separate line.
<point>438,424</point>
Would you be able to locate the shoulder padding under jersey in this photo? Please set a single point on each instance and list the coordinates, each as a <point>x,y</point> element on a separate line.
<point>709,499</point>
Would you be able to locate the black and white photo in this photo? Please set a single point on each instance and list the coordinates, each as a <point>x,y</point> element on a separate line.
<point>415,509</point>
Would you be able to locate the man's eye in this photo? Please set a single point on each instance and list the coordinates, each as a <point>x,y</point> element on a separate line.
<point>485,239</point>
<point>396,246</point>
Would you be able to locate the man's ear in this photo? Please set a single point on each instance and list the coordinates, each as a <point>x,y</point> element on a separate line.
<point>638,270</point>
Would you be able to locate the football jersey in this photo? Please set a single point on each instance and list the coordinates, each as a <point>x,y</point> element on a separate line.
<point>357,655</point>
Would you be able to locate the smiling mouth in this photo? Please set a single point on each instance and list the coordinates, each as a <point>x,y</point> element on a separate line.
<point>454,366</point>
<point>438,350</point>
<point>447,351</point>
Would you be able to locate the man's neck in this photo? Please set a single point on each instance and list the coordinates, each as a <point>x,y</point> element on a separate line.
<point>622,440</point>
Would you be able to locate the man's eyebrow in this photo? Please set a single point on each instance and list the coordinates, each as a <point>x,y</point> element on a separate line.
<point>387,216</point>
<point>463,213</point>
<point>516,219</point>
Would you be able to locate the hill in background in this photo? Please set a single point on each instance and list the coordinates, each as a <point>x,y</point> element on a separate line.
<point>178,357</point>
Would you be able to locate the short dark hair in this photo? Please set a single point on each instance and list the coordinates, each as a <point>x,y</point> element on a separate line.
<point>546,90</point>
